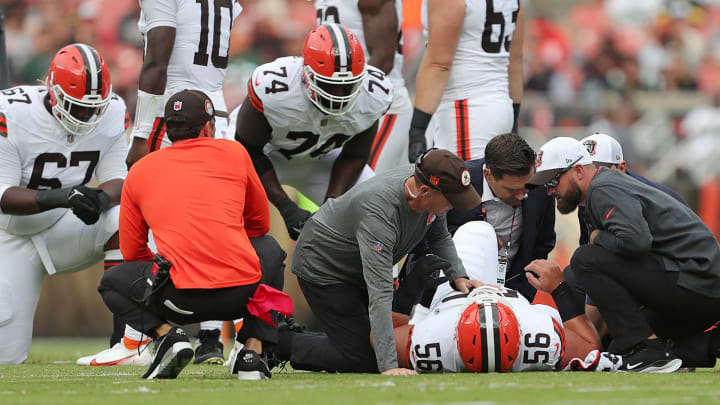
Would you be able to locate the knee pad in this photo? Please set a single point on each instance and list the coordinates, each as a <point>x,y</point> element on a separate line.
<point>7,303</point>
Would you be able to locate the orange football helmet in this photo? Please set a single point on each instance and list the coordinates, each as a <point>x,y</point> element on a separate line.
<point>334,68</point>
<point>79,88</point>
<point>488,333</point>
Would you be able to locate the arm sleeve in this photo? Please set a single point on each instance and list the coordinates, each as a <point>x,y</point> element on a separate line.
<point>441,244</point>
<point>133,228</point>
<point>257,210</point>
<point>376,241</point>
<point>159,13</point>
<point>112,165</point>
<point>623,228</point>
<point>10,166</point>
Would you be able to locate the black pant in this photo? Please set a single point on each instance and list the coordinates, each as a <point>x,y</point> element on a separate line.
<point>343,313</point>
<point>637,298</point>
<point>123,285</point>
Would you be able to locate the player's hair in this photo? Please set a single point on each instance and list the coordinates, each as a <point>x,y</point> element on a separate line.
<point>509,154</point>
<point>179,133</point>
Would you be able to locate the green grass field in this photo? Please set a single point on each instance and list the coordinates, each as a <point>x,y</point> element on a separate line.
<point>51,376</point>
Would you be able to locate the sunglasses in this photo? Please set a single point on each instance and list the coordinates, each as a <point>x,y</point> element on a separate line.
<point>552,183</point>
<point>418,170</point>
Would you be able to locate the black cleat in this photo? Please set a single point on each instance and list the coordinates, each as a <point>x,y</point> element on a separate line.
<point>651,356</point>
<point>172,353</point>
<point>208,348</point>
<point>249,365</point>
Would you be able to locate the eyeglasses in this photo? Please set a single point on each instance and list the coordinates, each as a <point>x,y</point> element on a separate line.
<point>418,170</point>
<point>552,183</point>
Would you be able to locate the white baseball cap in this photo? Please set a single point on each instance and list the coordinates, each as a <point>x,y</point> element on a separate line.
<point>603,148</point>
<point>557,155</point>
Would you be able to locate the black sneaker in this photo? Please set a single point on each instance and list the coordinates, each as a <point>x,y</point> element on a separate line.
<point>172,353</point>
<point>249,365</point>
<point>208,348</point>
<point>651,356</point>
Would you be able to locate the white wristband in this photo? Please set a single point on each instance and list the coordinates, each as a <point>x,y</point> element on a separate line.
<point>149,106</point>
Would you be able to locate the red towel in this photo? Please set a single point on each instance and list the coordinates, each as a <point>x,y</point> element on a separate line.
<point>268,299</point>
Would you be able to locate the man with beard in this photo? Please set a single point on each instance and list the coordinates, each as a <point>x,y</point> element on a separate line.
<point>646,249</point>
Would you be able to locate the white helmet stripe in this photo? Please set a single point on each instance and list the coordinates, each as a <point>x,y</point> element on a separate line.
<point>91,68</point>
<point>489,338</point>
<point>343,56</point>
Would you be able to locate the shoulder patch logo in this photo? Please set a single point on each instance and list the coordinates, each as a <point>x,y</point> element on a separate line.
<point>378,247</point>
<point>465,178</point>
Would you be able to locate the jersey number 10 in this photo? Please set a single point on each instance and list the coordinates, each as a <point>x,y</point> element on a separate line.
<point>201,56</point>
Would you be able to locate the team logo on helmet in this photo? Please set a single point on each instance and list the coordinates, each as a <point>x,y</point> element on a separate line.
<point>591,146</point>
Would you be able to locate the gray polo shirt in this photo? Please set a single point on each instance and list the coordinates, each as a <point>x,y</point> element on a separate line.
<point>356,239</point>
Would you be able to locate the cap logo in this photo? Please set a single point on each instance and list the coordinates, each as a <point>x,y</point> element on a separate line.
<point>208,107</point>
<point>434,180</point>
<point>177,106</point>
<point>465,178</point>
<point>591,146</point>
<point>568,161</point>
<point>538,159</point>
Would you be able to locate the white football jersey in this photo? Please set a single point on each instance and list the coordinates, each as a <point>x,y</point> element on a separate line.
<point>301,130</point>
<point>347,13</point>
<point>37,153</point>
<point>480,64</point>
<point>199,57</point>
<point>433,343</point>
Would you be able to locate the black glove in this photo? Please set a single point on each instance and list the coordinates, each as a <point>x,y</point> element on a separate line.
<point>416,140</point>
<point>88,203</point>
<point>428,268</point>
<point>294,216</point>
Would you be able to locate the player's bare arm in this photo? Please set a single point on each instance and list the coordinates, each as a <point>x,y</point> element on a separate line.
<point>445,22</point>
<point>253,131</point>
<point>153,77</point>
<point>350,163</point>
<point>379,19</point>
<point>515,67</point>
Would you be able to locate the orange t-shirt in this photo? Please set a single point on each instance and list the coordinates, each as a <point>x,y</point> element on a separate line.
<point>203,200</point>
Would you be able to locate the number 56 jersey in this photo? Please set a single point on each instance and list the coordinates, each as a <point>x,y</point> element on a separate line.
<point>433,344</point>
<point>299,129</point>
<point>37,153</point>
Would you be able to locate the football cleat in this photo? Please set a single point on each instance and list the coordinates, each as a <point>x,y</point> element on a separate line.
<point>172,353</point>
<point>208,349</point>
<point>119,355</point>
<point>233,355</point>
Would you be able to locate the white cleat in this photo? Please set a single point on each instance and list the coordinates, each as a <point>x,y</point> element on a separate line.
<point>119,355</point>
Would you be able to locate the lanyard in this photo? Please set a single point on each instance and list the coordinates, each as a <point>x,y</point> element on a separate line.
<point>503,259</point>
<point>512,225</point>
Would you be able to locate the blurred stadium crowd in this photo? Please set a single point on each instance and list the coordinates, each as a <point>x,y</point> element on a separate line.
<point>646,72</point>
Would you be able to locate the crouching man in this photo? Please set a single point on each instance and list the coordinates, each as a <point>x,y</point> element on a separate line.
<point>203,201</point>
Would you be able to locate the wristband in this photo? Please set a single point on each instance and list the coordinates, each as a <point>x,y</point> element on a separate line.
<point>149,106</point>
<point>420,119</point>
<point>285,206</point>
<point>50,199</point>
<point>568,304</point>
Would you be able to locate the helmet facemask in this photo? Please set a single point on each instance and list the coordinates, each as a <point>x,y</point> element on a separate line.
<point>78,116</point>
<point>333,95</point>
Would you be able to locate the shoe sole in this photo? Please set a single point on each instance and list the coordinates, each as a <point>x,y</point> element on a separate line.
<point>214,360</point>
<point>662,366</point>
<point>251,375</point>
<point>173,362</point>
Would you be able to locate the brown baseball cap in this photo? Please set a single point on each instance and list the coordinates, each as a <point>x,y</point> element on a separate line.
<point>446,172</point>
<point>188,108</point>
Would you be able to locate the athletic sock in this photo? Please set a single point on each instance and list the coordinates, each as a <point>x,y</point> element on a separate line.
<point>238,323</point>
<point>134,338</point>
